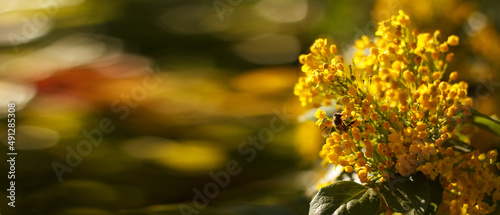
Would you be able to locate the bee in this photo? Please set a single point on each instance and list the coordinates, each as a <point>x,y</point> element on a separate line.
<point>337,122</point>
<point>340,124</point>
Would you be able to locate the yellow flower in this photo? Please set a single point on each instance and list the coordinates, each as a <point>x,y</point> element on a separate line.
<point>397,148</point>
<point>337,149</point>
<point>352,91</point>
<point>361,162</point>
<point>454,76</point>
<point>401,114</point>
<point>427,168</point>
<point>348,169</point>
<point>449,57</point>
<point>444,47</point>
<point>421,126</point>
<point>453,40</point>
<point>333,158</point>
<point>493,153</point>
<point>320,114</point>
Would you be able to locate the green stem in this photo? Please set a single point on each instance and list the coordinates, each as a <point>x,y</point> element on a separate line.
<point>485,121</point>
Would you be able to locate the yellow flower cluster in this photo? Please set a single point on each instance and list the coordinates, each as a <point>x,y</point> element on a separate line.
<point>406,117</point>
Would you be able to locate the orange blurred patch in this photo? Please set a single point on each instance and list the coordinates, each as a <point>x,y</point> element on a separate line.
<point>266,80</point>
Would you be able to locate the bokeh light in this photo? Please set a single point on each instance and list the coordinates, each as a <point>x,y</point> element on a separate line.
<point>185,87</point>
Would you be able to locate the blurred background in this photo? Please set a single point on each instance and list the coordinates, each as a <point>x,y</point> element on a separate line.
<point>185,87</point>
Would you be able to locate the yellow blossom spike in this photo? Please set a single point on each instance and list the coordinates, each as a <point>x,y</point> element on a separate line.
<point>398,114</point>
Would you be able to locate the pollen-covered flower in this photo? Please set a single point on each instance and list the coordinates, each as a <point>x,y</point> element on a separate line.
<point>403,112</point>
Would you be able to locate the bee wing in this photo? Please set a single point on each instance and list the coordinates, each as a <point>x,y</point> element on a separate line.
<point>352,122</point>
<point>326,131</point>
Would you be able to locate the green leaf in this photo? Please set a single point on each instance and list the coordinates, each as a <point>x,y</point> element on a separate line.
<point>436,193</point>
<point>485,121</point>
<point>408,195</point>
<point>345,197</point>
